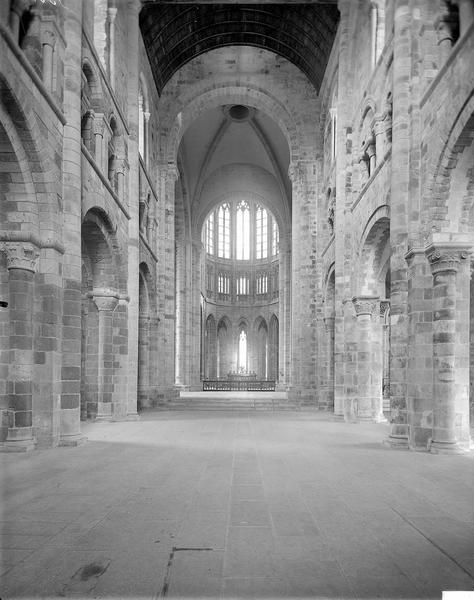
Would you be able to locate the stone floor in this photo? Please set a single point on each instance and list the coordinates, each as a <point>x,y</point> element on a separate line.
<point>222,505</point>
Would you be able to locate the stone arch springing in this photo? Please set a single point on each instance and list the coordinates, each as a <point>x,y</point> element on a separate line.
<point>448,200</point>
<point>373,255</point>
<point>100,296</point>
<point>145,312</point>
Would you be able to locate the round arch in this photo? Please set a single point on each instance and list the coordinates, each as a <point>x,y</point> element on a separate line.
<point>374,252</point>
<point>449,174</point>
<point>190,106</point>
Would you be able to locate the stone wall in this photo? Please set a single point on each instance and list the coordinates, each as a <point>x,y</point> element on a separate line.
<point>100,248</point>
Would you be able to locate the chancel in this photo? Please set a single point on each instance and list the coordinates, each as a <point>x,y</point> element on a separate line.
<point>262,210</point>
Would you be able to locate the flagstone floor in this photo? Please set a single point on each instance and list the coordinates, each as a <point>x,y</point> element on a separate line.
<point>235,505</point>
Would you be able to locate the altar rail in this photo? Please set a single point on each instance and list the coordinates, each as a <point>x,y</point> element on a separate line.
<point>238,385</point>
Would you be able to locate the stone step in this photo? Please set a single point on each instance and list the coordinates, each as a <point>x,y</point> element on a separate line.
<point>230,402</point>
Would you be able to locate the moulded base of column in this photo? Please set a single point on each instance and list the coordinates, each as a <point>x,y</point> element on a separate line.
<point>396,442</point>
<point>104,411</point>
<point>133,416</point>
<point>73,440</point>
<point>446,448</point>
<point>17,446</point>
<point>19,439</point>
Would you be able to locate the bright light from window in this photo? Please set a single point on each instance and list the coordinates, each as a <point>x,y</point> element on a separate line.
<point>210,234</point>
<point>242,351</point>
<point>242,234</point>
<point>261,233</point>
<point>275,238</point>
<point>223,217</point>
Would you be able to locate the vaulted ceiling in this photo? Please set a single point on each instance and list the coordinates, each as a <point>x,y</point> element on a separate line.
<point>217,139</point>
<point>175,32</point>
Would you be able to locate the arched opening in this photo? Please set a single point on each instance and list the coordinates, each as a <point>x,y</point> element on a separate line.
<point>224,348</point>
<point>210,345</point>
<point>99,300</point>
<point>273,349</point>
<point>261,349</point>
<point>370,307</point>
<point>240,238</point>
<point>329,325</point>
<point>144,318</point>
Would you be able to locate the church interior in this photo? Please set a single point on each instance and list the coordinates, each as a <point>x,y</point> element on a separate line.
<point>250,226</point>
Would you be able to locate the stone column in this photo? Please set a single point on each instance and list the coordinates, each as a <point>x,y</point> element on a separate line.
<point>111,15</point>
<point>48,41</point>
<point>72,202</point>
<point>284,314</point>
<point>181,331</point>
<point>106,301</point>
<point>399,219</point>
<point>415,431</point>
<point>171,175</point>
<point>369,360</point>
<point>329,325</point>
<point>370,150</point>
<point>385,322</point>
<point>445,264</point>
<point>146,119</point>
<point>144,361</point>
<point>21,264</point>
<point>132,201</point>
<point>194,321</point>
<point>380,136</point>
<point>303,254</point>
<point>343,214</point>
<point>98,131</point>
<point>121,168</point>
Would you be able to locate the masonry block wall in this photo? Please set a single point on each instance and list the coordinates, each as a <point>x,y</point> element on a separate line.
<point>100,243</point>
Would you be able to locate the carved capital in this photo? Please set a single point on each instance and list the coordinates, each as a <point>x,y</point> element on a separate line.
<point>169,172</point>
<point>384,308</point>
<point>146,116</point>
<point>22,255</point>
<point>48,38</point>
<point>445,25</point>
<point>295,171</point>
<point>112,13</point>
<point>99,124</point>
<point>329,324</point>
<point>445,259</point>
<point>105,299</point>
<point>366,305</point>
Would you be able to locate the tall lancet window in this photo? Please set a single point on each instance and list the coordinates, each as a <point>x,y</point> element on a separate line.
<point>210,234</point>
<point>242,232</point>
<point>242,351</point>
<point>223,234</point>
<point>275,238</point>
<point>261,232</point>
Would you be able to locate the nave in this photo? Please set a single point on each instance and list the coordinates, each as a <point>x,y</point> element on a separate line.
<point>236,505</point>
